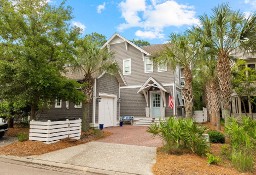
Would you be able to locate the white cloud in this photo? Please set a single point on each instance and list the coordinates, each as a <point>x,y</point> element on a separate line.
<point>148,34</point>
<point>101,7</point>
<point>247,14</point>
<point>154,16</point>
<point>250,2</point>
<point>80,25</point>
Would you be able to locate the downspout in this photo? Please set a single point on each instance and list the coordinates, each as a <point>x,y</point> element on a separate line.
<point>94,103</point>
<point>119,104</point>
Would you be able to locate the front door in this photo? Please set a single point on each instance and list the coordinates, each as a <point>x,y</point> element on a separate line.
<point>156,104</point>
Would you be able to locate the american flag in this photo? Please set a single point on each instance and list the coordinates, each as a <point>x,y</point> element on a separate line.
<point>171,105</point>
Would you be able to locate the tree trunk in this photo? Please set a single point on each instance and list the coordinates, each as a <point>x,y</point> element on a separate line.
<point>11,122</point>
<point>212,88</point>
<point>224,77</point>
<point>88,91</point>
<point>85,119</point>
<point>187,92</point>
<point>218,126</point>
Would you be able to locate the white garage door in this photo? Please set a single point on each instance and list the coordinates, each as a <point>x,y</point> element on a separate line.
<point>107,112</point>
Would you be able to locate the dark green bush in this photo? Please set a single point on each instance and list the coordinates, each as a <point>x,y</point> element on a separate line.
<point>181,134</point>
<point>216,137</point>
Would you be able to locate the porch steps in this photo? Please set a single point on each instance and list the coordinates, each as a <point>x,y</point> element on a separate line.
<point>145,121</point>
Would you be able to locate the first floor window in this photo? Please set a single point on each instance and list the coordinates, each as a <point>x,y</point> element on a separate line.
<point>127,67</point>
<point>78,105</point>
<point>58,103</point>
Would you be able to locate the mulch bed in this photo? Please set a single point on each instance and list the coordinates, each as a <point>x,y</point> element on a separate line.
<point>28,148</point>
<point>191,164</point>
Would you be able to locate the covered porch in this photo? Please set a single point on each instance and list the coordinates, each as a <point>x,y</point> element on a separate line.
<point>155,96</point>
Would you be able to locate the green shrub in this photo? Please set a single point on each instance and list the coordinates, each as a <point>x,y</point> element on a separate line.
<point>216,137</point>
<point>181,134</point>
<point>22,137</point>
<point>226,151</point>
<point>212,159</point>
<point>242,133</point>
<point>242,136</point>
<point>242,161</point>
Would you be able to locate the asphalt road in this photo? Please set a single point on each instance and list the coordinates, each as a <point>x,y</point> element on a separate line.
<point>12,167</point>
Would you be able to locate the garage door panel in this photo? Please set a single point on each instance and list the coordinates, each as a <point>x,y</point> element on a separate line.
<point>106,111</point>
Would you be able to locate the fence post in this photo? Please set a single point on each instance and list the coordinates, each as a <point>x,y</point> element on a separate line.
<point>68,129</point>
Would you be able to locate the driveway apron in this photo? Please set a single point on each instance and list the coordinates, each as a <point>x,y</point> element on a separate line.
<point>115,158</point>
<point>129,150</point>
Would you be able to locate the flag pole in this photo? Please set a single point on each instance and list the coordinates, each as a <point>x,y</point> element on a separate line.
<point>174,94</point>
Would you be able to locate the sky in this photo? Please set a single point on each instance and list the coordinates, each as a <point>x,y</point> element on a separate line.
<point>150,20</point>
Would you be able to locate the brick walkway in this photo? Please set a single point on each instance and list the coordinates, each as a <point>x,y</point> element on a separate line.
<point>132,135</point>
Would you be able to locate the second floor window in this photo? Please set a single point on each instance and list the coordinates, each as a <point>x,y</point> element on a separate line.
<point>127,67</point>
<point>148,65</point>
<point>162,67</point>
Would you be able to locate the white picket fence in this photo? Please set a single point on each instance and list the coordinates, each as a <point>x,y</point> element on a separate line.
<point>53,131</point>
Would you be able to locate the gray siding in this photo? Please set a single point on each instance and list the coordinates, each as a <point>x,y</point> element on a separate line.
<point>138,76</point>
<point>107,84</point>
<point>60,113</point>
<point>132,103</point>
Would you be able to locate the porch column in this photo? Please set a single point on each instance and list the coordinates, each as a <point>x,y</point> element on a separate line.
<point>239,107</point>
<point>147,107</point>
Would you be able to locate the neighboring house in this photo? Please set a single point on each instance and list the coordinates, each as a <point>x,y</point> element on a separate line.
<point>141,88</point>
<point>240,105</point>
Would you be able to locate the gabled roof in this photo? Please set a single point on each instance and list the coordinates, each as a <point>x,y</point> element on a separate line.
<point>78,75</point>
<point>125,40</point>
<point>119,77</point>
<point>155,48</point>
<point>147,85</point>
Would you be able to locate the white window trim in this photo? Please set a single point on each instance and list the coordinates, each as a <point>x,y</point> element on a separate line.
<point>56,104</point>
<point>145,66</point>
<point>162,70</point>
<point>130,71</point>
<point>78,105</point>
<point>67,104</point>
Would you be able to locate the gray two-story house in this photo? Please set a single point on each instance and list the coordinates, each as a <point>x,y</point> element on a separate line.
<point>141,89</point>
<point>149,87</point>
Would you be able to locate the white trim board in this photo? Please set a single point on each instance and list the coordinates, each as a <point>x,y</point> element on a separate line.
<point>139,86</point>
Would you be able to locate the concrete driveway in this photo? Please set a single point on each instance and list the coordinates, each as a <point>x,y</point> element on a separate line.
<point>130,150</point>
<point>5,140</point>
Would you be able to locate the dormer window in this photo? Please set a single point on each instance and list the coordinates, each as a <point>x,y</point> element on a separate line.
<point>127,67</point>
<point>148,65</point>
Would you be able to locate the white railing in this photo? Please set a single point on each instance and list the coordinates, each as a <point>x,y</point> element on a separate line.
<point>53,131</point>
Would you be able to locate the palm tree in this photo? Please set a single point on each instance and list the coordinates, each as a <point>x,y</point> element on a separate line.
<point>182,51</point>
<point>225,32</point>
<point>91,61</point>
